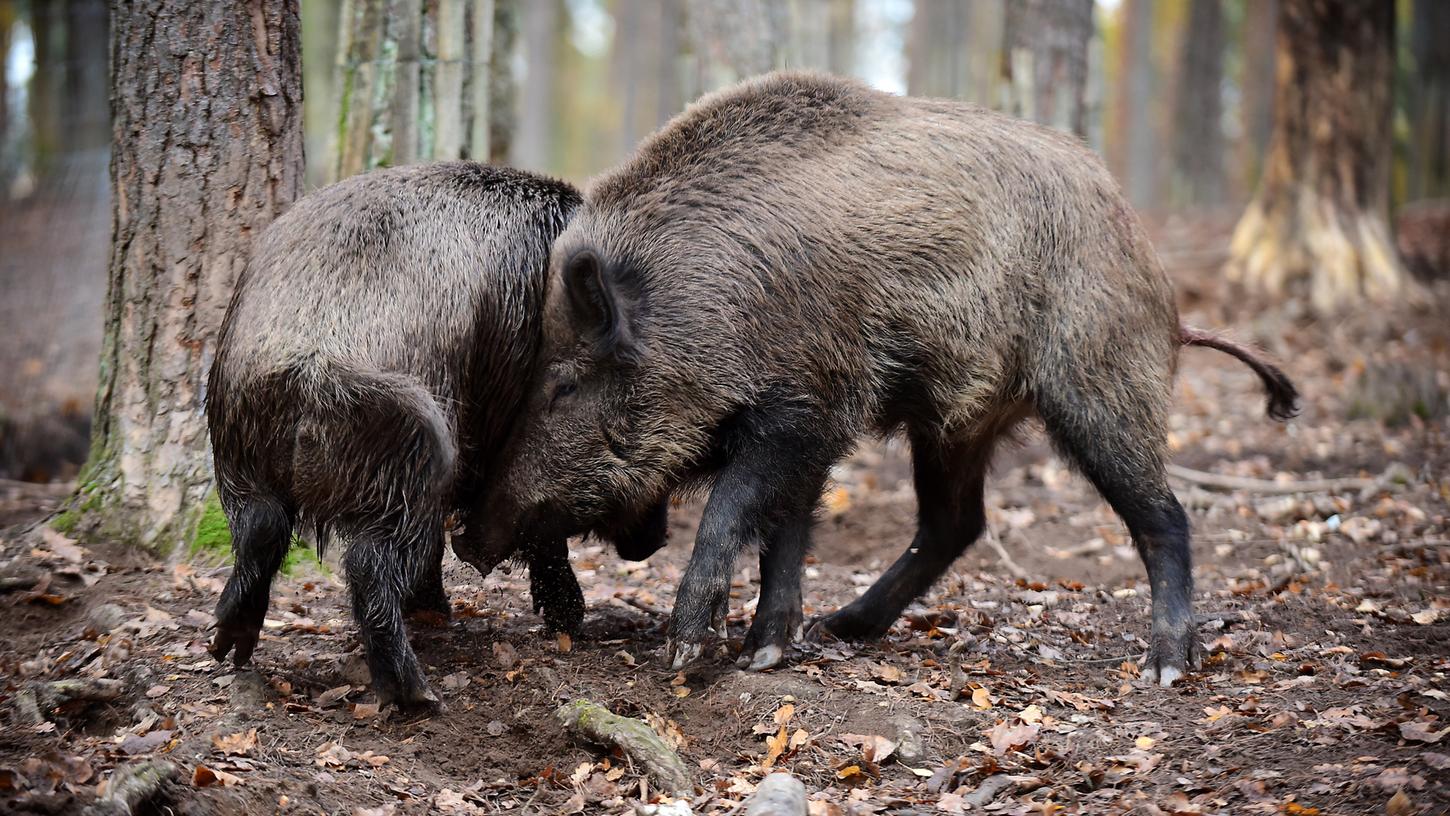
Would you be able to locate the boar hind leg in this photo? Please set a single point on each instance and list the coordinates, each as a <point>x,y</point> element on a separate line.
<point>427,596</point>
<point>778,618</point>
<point>1122,456</point>
<point>377,581</point>
<point>261,532</point>
<point>949,482</point>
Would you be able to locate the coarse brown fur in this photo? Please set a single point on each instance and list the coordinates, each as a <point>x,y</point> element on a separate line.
<point>801,260</point>
<point>371,363</point>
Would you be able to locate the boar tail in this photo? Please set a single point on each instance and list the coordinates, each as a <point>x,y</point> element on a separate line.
<point>1283,396</point>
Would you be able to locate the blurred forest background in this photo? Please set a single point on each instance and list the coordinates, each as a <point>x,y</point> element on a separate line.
<point>1177,95</point>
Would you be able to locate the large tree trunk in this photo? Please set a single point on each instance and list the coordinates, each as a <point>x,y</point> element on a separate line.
<point>1318,223</point>
<point>361,33</point>
<point>1044,64</point>
<point>406,114</point>
<point>1197,130</point>
<point>206,103</point>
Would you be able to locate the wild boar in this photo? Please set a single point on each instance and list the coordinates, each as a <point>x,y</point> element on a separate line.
<point>371,363</point>
<point>801,260</point>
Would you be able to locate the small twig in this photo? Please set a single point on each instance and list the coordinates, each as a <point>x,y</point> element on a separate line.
<point>1017,572</point>
<point>1223,482</point>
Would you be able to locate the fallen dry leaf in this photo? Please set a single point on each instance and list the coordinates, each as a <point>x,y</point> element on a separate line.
<point>204,777</point>
<point>238,744</point>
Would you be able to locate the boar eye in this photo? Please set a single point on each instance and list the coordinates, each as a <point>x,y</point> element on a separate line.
<point>561,391</point>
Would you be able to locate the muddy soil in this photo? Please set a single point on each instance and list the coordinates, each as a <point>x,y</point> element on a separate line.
<point>1009,688</point>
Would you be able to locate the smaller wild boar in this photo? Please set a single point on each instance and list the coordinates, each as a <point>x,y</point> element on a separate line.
<point>801,260</point>
<point>371,363</point>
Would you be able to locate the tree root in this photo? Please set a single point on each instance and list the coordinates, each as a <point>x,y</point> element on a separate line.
<point>634,737</point>
<point>778,794</point>
<point>132,787</point>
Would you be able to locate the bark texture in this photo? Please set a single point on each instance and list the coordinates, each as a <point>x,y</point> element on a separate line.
<point>207,149</point>
<point>1317,228</point>
<point>1045,61</point>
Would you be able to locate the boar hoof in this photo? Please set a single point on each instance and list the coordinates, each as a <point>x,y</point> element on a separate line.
<point>412,701</point>
<point>1170,659</point>
<point>766,657</point>
<point>683,654</point>
<point>243,640</point>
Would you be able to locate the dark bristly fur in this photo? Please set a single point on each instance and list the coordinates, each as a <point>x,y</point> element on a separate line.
<point>370,365</point>
<point>801,260</point>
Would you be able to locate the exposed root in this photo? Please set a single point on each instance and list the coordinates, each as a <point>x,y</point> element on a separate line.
<point>634,737</point>
<point>1308,243</point>
<point>132,787</point>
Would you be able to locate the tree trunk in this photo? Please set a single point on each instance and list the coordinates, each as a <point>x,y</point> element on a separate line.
<point>1318,222</point>
<point>502,84</point>
<point>362,23</point>
<point>480,65</point>
<point>841,37</point>
<point>448,82</point>
<point>1256,84</point>
<point>1198,109</point>
<point>1430,101</point>
<point>534,149</point>
<point>407,81</point>
<point>736,39</point>
<point>207,149</point>
<point>1044,62</point>
<point>1136,157</point>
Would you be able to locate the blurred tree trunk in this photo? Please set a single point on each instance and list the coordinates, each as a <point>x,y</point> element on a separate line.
<point>480,63</point>
<point>320,26</point>
<point>1136,161</point>
<point>1256,85</point>
<point>841,37</point>
<point>627,62</point>
<point>188,203</point>
<point>1318,221</point>
<point>534,149</point>
<point>670,100</point>
<point>1198,108</point>
<point>502,84</point>
<point>448,81</point>
<point>405,113</point>
<point>361,37</point>
<point>1430,101</point>
<point>736,39</point>
<point>1044,62</point>
<point>937,52</point>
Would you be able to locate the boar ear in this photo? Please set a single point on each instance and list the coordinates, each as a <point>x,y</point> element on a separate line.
<point>600,309</point>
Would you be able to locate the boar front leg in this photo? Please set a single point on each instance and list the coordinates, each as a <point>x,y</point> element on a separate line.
<point>760,497</point>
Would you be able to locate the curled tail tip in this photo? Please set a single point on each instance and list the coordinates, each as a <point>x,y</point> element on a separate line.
<point>1283,397</point>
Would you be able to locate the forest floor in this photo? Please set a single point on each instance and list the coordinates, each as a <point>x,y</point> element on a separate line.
<point>1009,688</point>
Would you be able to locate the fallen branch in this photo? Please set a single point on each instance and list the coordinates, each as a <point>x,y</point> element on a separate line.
<point>60,692</point>
<point>132,787</point>
<point>1222,482</point>
<point>634,737</point>
<point>778,794</point>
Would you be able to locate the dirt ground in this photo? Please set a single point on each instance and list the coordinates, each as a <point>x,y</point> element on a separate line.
<point>1010,688</point>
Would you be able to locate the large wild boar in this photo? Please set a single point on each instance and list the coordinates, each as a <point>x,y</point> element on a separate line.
<point>801,260</point>
<point>370,366</point>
